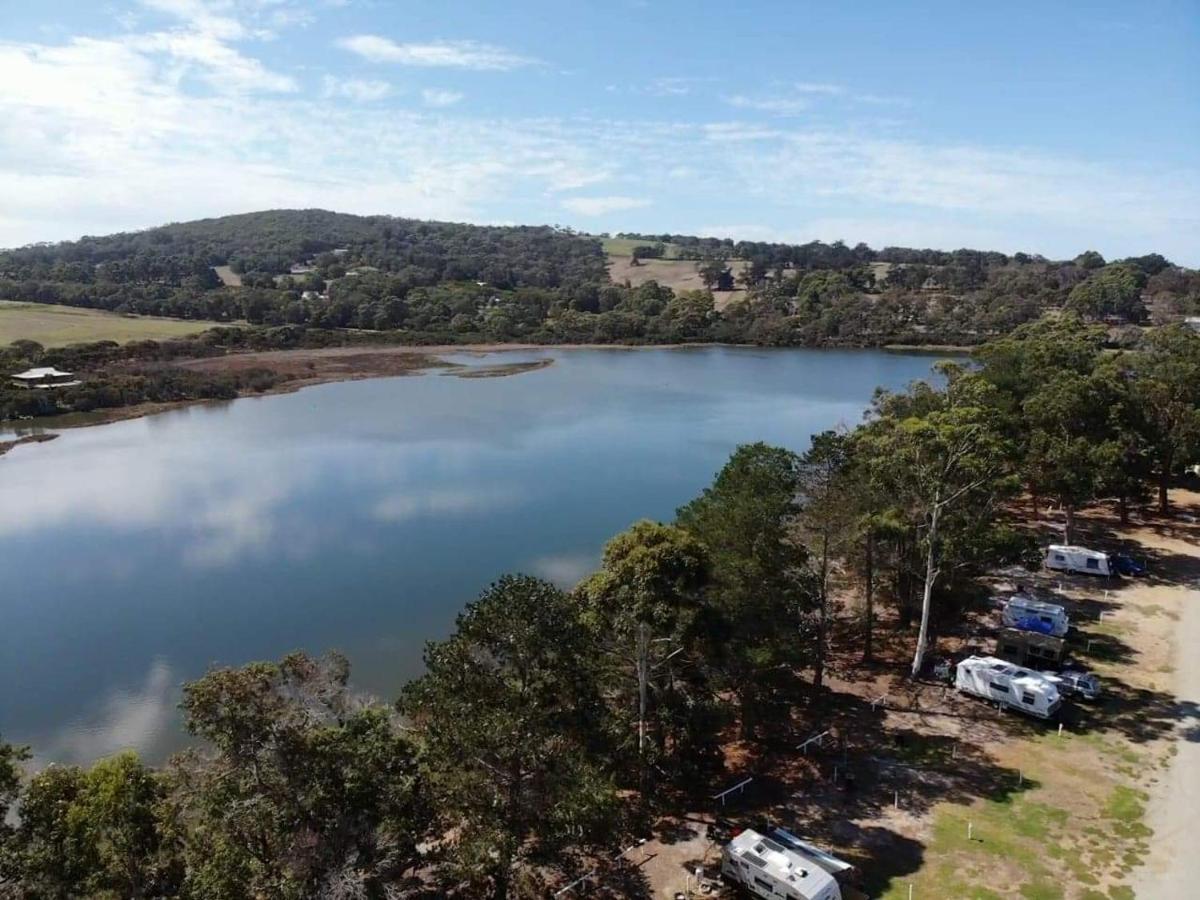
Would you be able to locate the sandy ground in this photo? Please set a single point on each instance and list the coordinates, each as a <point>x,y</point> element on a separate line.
<point>1173,870</point>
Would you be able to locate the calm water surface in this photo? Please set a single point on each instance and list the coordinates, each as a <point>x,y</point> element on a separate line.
<point>359,516</point>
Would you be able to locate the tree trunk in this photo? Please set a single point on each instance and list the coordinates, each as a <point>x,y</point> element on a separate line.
<point>643,677</point>
<point>500,885</point>
<point>822,615</point>
<point>931,574</point>
<point>870,595</point>
<point>1164,481</point>
<point>1069,529</point>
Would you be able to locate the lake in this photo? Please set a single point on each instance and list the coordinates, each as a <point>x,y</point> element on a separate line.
<point>359,516</point>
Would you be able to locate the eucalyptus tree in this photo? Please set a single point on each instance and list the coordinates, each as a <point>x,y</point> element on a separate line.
<point>302,785</point>
<point>511,724</point>
<point>1166,391</point>
<point>762,589</point>
<point>642,605</point>
<point>945,459</point>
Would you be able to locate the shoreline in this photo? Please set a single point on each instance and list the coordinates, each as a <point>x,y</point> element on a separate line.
<point>330,365</point>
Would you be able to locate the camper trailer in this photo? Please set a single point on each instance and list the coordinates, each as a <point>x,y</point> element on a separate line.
<point>1011,686</point>
<point>771,866</point>
<point>1062,558</point>
<point>1030,648</point>
<point>1027,614</point>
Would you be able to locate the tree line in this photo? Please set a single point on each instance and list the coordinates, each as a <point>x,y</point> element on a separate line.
<point>553,724</point>
<point>442,282</point>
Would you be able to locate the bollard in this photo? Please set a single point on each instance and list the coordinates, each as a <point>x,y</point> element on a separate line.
<point>970,831</point>
<point>910,890</point>
<point>1060,729</point>
<point>896,800</point>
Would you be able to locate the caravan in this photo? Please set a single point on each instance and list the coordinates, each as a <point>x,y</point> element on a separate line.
<point>1024,612</point>
<point>1062,558</point>
<point>1011,686</point>
<point>776,866</point>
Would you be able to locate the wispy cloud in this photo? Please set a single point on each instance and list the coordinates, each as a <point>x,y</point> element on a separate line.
<point>89,128</point>
<point>439,98</point>
<point>435,54</point>
<point>780,106</point>
<point>359,90</point>
<point>599,206</point>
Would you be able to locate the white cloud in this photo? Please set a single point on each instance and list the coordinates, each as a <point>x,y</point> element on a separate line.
<point>599,206</point>
<point>779,106</point>
<point>359,90</point>
<point>438,98</point>
<point>815,87</point>
<point>130,131</point>
<point>445,54</point>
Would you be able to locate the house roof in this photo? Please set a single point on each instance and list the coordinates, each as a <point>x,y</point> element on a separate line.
<point>44,372</point>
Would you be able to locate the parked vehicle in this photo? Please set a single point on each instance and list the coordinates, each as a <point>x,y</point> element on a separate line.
<point>1027,614</point>
<point>770,866</point>
<point>1030,648</point>
<point>1063,558</point>
<point>1011,686</point>
<point>1075,683</point>
<point>1126,565</point>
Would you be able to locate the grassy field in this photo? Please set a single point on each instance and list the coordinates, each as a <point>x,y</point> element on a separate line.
<point>55,326</point>
<point>624,247</point>
<point>677,274</point>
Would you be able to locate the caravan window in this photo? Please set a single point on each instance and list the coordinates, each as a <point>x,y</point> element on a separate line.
<point>997,686</point>
<point>1027,698</point>
<point>1046,619</point>
<point>1093,563</point>
<point>1058,557</point>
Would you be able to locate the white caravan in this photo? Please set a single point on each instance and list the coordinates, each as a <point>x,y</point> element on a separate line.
<point>767,868</point>
<point>1062,558</point>
<point>1024,612</point>
<point>1002,682</point>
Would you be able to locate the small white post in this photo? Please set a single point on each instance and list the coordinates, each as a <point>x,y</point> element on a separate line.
<point>910,890</point>
<point>1060,730</point>
<point>1020,778</point>
<point>970,831</point>
<point>835,774</point>
<point>896,800</point>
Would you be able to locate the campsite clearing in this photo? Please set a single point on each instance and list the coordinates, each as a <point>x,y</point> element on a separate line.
<point>56,326</point>
<point>949,797</point>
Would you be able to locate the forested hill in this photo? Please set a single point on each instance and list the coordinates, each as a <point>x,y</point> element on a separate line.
<point>438,281</point>
<point>272,242</point>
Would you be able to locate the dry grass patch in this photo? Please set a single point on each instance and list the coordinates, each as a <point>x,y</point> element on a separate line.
<point>57,326</point>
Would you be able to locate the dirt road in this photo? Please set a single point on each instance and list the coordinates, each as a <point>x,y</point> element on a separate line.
<point>1173,870</point>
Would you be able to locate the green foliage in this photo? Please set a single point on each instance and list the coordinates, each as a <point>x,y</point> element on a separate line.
<point>512,728</point>
<point>1114,290</point>
<point>306,786</point>
<point>762,591</point>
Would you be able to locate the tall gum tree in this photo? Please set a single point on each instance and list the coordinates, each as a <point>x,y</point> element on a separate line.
<point>946,463</point>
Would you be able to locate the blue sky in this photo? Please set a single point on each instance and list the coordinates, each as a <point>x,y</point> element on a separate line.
<point>1049,128</point>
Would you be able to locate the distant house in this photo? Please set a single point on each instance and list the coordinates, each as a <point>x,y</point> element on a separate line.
<point>340,251</point>
<point>47,377</point>
<point>1192,322</point>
